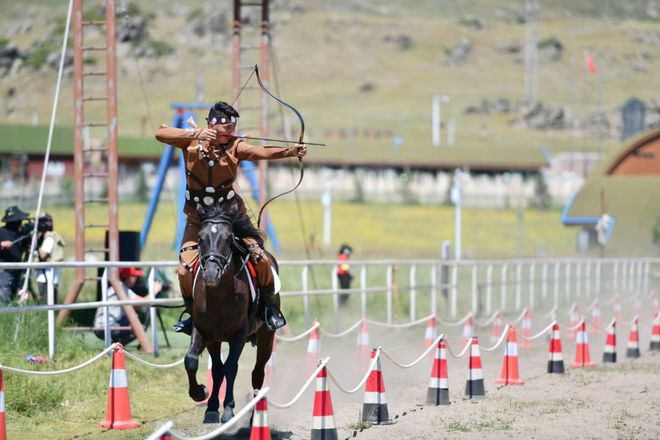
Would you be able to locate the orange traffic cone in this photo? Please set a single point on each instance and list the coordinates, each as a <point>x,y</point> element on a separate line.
<point>468,329</point>
<point>616,308</point>
<point>633,340</point>
<point>474,387</point>
<point>430,334</point>
<point>3,426</point>
<point>209,383</point>
<point>363,343</point>
<point>118,415</point>
<point>609,352</point>
<point>374,407</point>
<point>509,375</point>
<point>574,316</point>
<point>260,429</point>
<point>582,358</point>
<point>313,348</point>
<point>497,327</point>
<point>323,426</point>
<point>655,334</point>
<point>526,329</point>
<point>555,355</point>
<point>438,391</point>
<point>595,318</point>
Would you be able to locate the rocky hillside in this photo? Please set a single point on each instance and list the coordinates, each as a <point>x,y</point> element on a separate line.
<point>363,73</point>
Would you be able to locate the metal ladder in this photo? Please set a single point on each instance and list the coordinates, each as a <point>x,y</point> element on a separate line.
<point>252,101</point>
<point>87,179</point>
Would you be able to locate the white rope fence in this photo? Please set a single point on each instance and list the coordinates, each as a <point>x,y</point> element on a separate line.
<point>322,364</point>
<point>489,321</point>
<point>405,325</point>
<point>166,428</point>
<point>456,323</point>
<point>420,358</point>
<point>503,336</point>
<point>68,370</point>
<point>360,384</point>
<point>344,333</point>
<point>519,318</point>
<point>300,336</point>
<point>142,361</point>
<point>541,333</point>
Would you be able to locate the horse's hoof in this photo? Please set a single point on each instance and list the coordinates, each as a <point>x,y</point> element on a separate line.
<point>198,394</point>
<point>228,414</point>
<point>211,417</point>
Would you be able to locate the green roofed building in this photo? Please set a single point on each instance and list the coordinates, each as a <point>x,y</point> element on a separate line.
<point>625,187</point>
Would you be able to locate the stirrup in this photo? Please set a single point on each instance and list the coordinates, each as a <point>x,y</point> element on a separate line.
<point>184,326</point>
<point>273,318</point>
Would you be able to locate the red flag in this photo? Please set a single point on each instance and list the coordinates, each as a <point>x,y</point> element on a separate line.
<point>589,62</point>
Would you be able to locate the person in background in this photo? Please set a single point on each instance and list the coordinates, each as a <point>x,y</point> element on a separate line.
<point>344,272</point>
<point>50,247</point>
<point>116,315</point>
<point>12,246</point>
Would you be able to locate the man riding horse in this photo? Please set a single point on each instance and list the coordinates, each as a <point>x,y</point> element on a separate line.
<point>212,156</point>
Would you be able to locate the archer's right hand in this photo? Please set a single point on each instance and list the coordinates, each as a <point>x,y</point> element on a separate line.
<point>6,244</point>
<point>207,135</point>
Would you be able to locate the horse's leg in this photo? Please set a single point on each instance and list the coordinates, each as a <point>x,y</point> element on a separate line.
<point>217,371</point>
<point>231,368</point>
<point>196,391</point>
<point>264,349</point>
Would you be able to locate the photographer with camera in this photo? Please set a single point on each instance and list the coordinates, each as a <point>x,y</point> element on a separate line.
<point>50,247</point>
<point>13,244</point>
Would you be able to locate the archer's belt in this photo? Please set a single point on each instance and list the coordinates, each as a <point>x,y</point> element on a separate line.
<point>209,196</point>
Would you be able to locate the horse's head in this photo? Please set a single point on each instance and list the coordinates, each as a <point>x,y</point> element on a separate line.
<point>215,241</point>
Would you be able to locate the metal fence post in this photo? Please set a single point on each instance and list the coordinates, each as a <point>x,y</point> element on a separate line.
<point>587,279</point>
<point>556,286</point>
<point>334,282</point>
<point>489,288</point>
<point>578,278</point>
<point>50,300</point>
<point>475,290</point>
<point>413,292</point>
<point>532,280</point>
<point>544,282</point>
<point>599,268</point>
<point>454,289</point>
<point>305,287</point>
<point>390,270</point>
<point>567,273</point>
<point>153,317</point>
<point>518,285</point>
<point>615,275</point>
<point>503,288</point>
<point>434,288</point>
<point>363,290</point>
<point>104,298</point>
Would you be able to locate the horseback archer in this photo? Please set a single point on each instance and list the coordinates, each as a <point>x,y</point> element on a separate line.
<point>212,156</point>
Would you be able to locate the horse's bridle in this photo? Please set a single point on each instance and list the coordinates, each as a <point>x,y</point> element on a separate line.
<point>223,260</point>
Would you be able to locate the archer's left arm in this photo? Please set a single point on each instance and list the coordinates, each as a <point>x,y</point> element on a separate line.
<point>245,151</point>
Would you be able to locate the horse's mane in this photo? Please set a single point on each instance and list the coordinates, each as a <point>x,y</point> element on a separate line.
<point>240,224</point>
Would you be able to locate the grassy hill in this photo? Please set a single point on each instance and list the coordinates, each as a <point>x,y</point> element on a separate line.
<point>339,63</point>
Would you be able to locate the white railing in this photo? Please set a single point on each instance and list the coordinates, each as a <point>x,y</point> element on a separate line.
<point>468,285</point>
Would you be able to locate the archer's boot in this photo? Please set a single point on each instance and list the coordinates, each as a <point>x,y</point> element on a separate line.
<point>273,317</point>
<point>185,326</point>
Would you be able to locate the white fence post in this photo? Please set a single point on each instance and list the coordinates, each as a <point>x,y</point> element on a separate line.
<point>104,298</point>
<point>475,290</point>
<point>434,288</point>
<point>503,288</point>
<point>578,278</point>
<point>305,288</point>
<point>489,288</point>
<point>50,300</point>
<point>390,270</point>
<point>454,289</point>
<point>567,282</point>
<point>532,280</point>
<point>413,292</point>
<point>153,312</point>
<point>556,286</point>
<point>363,291</point>
<point>544,282</point>
<point>518,285</point>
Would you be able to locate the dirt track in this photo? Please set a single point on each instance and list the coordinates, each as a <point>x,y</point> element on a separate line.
<point>611,401</point>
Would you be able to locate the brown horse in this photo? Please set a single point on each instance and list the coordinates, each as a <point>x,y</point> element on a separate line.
<point>222,308</point>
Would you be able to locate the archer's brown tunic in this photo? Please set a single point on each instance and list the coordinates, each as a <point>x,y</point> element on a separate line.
<point>210,179</point>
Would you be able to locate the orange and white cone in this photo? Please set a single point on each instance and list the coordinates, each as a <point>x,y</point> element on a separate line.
<point>496,332</point>
<point>363,344</point>
<point>474,387</point>
<point>510,375</point>
<point>209,384</point>
<point>655,334</point>
<point>323,425</point>
<point>260,429</point>
<point>555,355</point>
<point>374,407</point>
<point>438,391</point>
<point>3,425</point>
<point>430,334</point>
<point>526,329</point>
<point>616,308</point>
<point>313,347</point>
<point>582,357</point>
<point>118,415</point>
<point>633,340</point>
<point>596,321</point>
<point>574,317</point>
<point>468,329</point>
<point>609,352</point>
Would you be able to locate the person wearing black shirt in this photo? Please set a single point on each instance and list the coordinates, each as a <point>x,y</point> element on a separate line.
<point>11,251</point>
